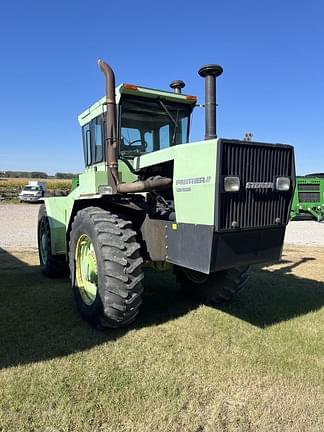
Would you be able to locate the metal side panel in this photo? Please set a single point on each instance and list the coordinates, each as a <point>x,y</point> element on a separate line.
<point>201,248</point>
<point>242,248</point>
<point>59,211</point>
<point>194,179</point>
<point>93,177</point>
<point>194,183</point>
<point>189,246</point>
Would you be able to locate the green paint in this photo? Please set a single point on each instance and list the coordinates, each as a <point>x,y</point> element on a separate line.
<point>93,177</point>
<point>308,197</point>
<point>194,179</point>
<point>99,107</point>
<point>75,182</point>
<point>59,209</point>
<point>194,182</point>
<point>125,175</point>
<point>194,175</point>
<point>194,202</point>
<point>92,112</point>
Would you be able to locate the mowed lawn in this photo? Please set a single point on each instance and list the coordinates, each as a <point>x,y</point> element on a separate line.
<point>254,365</point>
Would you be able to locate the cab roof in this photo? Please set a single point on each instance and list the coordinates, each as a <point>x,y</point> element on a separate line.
<point>99,107</point>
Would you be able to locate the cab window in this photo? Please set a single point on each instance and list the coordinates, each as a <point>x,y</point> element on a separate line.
<point>86,144</point>
<point>149,125</point>
<point>93,142</point>
<point>97,135</point>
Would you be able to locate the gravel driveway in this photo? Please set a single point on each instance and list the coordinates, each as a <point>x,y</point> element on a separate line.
<point>18,228</point>
<point>308,233</point>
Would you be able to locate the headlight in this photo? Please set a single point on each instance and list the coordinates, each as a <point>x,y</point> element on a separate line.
<point>232,184</point>
<point>283,183</point>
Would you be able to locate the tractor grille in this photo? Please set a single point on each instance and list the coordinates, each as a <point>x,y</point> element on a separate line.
<point>309,196</point>
<point>254,162</point>
<point>309,186</point>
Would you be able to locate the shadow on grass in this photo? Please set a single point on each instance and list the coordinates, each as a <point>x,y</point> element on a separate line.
<point>38,319</point>
<point>273,296</point>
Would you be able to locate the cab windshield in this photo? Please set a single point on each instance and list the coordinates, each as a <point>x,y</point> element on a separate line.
<point>148,125</point>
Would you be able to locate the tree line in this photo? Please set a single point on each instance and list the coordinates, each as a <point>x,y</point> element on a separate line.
<point>35,174</point>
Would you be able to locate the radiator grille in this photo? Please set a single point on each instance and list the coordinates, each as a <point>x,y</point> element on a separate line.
<point>309,186</point>
<point>254,162</point>
<point>309,196</point>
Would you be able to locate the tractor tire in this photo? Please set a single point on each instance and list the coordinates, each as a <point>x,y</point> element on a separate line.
<point>52,266</point>
<point>105,268</point>
<point>214,288</point>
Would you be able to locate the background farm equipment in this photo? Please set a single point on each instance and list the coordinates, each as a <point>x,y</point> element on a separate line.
<point>308,200</point>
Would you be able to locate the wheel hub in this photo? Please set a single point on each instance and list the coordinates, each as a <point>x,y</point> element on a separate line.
<point>86,269</point>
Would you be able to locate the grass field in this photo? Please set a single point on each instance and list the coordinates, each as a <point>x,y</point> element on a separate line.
<point>254,365</point>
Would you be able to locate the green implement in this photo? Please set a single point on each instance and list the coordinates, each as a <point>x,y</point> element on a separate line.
<point>308,200</point>
<point>149,197</point>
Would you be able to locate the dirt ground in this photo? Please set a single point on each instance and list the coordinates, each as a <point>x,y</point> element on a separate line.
<point>18,228</point>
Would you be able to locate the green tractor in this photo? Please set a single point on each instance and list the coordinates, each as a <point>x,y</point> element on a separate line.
<point>148,197</point>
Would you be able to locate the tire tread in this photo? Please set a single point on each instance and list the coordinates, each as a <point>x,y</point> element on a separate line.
<point>121,289</point>
<point>220,287</point>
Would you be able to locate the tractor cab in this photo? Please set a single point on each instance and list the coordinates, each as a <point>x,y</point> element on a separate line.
<point>151,124</point>
<point>148,120</point>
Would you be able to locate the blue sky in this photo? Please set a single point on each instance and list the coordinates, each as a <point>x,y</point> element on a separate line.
<point>271,52</point>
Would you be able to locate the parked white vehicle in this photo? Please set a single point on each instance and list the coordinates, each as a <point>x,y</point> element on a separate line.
<point>33,192</point>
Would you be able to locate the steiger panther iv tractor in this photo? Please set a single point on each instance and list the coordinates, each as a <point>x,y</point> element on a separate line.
<point>204,210</point>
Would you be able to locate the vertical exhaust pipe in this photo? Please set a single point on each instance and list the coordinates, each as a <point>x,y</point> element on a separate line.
<point>210,73</point>
<point>177,85</point>
<point>111,125</point>
<point>150,184</point>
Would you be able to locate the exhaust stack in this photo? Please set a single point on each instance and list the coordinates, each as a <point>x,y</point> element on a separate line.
<point>147,185</point>
<point>177,85</point>
<point>111,124</point>
<point>210,73</point>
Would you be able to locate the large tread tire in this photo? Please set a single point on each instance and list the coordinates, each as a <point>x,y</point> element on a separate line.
<point>215,288</point>
<point>119,268</point>
<point>52,266</point>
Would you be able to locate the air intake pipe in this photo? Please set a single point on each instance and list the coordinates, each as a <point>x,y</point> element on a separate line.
<point>111,145</point>
<point>177,85</point>
<point>210,73</point>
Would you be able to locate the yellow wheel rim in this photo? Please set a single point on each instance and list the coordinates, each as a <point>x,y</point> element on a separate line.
<point>86,270</point>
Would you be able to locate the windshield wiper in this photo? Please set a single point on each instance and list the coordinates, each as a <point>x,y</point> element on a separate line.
<point>175,122</point>
<point>168,112</point>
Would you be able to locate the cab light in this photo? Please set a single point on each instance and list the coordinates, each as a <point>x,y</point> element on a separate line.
<point>232,184</point>
<point>283,183</point>
<point>130,87</point>
<point>193,98</point>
